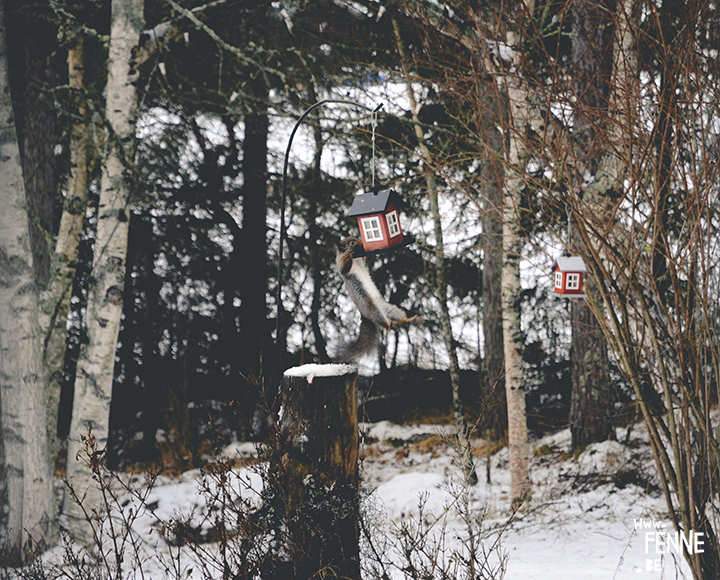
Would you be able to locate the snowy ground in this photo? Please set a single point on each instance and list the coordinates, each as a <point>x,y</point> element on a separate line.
<point>575,527</point>
<point>588,518</point>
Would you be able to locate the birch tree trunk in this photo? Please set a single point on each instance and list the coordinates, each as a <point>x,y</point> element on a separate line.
<point>512,341</point>
<point>463,431</point>
<point>94,380</point>
<point>32,68</point>
<point>56,304</point>
<point>26,497</point>
<point>517,125</point>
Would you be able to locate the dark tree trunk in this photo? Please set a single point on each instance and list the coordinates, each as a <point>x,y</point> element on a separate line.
<point>318,469</point>
<point>254,330</point>
<point>141,330</point>
<point>492,375</point>
<point>591,404</point>
<point>315,253</point>
<point>317,278</point>
<point>495,404</point>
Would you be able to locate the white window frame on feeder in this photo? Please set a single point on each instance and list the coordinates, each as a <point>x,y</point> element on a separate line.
<point>372,229</point>
<point>572,281</point>
<point>393,224</point>
<point>558,279</point>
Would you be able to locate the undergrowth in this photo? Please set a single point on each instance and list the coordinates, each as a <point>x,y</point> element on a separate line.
<point>237,531</point>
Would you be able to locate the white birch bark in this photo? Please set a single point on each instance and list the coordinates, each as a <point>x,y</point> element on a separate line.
<point>512,337</point>
<point>517,124</point>
<point>94,380</point>
<point>26,497</point>
<point>56,303</point>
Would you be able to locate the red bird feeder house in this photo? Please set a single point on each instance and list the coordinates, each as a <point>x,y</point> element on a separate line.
<point>569,274</point>
<point>378,216</point>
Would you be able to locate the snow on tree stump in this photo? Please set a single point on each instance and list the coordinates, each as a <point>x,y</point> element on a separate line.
<point>319,468</point>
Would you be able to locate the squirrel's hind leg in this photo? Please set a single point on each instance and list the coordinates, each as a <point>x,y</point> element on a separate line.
<point>405,320</point>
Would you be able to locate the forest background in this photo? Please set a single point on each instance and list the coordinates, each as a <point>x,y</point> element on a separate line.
<point>142,158</point>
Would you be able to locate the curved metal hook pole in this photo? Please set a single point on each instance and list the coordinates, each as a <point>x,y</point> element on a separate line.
<point>282,204</point>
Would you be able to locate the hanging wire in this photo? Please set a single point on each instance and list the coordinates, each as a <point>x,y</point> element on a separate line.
<point>569,230</point>
<point>374,123</point>
<point>283,198</point>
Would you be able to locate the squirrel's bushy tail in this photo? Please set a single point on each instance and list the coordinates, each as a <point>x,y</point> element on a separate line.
<point>367,343</point>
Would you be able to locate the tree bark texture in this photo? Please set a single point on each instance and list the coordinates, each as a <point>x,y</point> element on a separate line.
<point>513,343</point>
<point>318,471</point>
<point>488,110</point>
<point>495,403</point>
<point>56,304</point>
<point>516,119</point>
<point>94,380</point>
<point>34,66</point>
<point>26,496</point>
<point>519,121</point>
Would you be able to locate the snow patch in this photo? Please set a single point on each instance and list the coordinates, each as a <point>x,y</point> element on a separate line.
<point>403,494</point>
<point>604,457</point>
<point>311,371</point>
<point>387,431</point>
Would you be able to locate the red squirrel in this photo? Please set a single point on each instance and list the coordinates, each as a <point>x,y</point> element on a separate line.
<point>376,314</point>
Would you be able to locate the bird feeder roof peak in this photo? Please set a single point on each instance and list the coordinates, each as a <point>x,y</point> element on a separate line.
<point>570,264</point>
<point>373,201</point>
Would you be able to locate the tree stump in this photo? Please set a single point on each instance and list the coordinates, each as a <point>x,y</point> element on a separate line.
<point>319,469</point>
